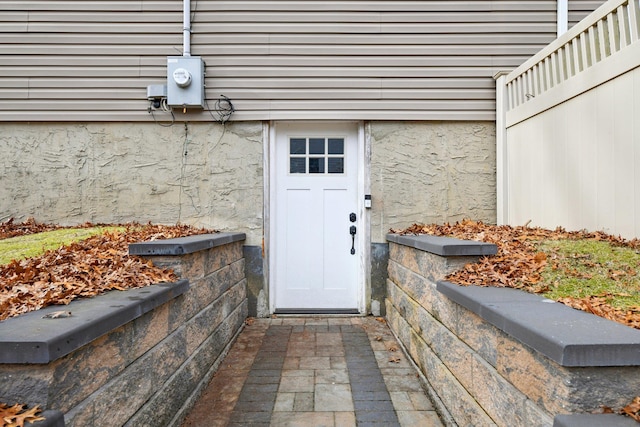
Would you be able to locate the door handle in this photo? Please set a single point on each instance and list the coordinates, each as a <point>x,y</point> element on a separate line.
<point>352,231</point>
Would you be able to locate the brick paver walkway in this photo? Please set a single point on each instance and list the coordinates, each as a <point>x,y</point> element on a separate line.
<point>327,371</point>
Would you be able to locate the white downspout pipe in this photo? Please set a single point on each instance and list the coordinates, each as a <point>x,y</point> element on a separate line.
<point>186,31</point>
<point>502,163</point>
<point>562,17</point>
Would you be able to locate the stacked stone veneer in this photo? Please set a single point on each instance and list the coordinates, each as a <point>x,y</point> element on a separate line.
<point>480,375</point>
<point>148,371</point>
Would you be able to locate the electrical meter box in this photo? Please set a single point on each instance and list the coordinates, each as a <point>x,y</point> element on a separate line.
<point>185,81</point>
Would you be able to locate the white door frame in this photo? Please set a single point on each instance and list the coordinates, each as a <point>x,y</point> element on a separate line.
<point>363,247</point>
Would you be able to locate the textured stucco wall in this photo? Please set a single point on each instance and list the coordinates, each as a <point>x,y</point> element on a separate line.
<point>205,175</point>
<point>431,172</point>
<point>198,173</point>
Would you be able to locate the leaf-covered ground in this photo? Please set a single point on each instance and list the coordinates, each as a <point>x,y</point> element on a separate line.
<point>11,229</point>
<point>519,262</point>
<point>82,269</point>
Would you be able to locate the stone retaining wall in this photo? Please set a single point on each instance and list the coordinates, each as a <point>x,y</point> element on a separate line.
<point>500,356</point>
<point>162,346</point>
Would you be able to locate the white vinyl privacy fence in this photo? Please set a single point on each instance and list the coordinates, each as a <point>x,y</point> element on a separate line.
<point>568,125</point>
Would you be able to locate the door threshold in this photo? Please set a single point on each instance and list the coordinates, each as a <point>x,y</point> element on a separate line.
<point>317,311</point>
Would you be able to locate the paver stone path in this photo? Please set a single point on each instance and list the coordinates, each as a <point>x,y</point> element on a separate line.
<point>308,371</point>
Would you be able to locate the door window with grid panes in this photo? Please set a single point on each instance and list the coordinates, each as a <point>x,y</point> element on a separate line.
<point>316,155</point>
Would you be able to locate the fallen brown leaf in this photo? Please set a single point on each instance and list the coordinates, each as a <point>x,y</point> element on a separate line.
<point>17,415</point>
<point>633,409</point>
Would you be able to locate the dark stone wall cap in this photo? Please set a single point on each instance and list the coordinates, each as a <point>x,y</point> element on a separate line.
<point>570,337</point>
<point>31,338</point>
<point>185,245</point>
<point>593,420</point>
<point>444,246</point>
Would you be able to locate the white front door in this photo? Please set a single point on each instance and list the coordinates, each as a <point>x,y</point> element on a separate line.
<point>316,256</point>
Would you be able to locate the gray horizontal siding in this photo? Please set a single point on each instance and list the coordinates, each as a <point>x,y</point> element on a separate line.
<point>579,9</point>
<point>400,60</point>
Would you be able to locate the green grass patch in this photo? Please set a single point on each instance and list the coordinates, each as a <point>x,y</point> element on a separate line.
<point>32,245</point>
<point>584,267</point>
